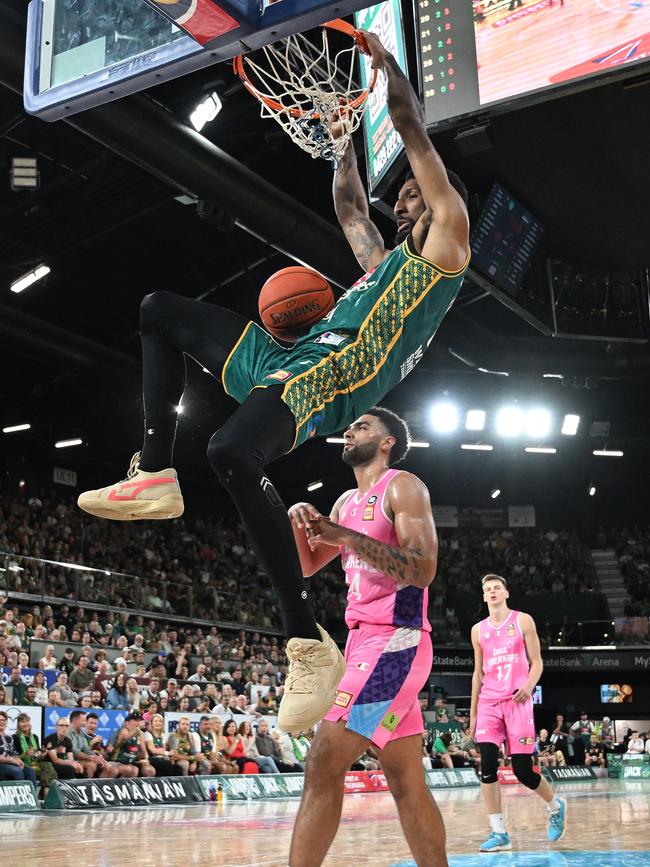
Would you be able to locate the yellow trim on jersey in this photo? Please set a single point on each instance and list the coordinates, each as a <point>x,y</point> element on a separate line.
<point>411,255</point>
<point>230,355</point>
<point>355,345</point>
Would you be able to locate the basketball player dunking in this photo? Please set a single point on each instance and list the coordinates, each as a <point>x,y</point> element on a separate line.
<point>374,336</point>
<point>385,534</point>
<point>507,666</point>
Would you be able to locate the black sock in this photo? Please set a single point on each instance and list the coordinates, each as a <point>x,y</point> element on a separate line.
<point>158,446</point>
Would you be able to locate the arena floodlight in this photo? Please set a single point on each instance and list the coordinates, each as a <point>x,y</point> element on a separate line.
<point>419,444</point>
<point>314,486</point>
<point>444,417</point>
<point>495,492</point>
<point>335,440</point>
<point>538,423</point>
<point>475,419</point>
<point>66,444</point>
<point>592,490</point>
<point>570,425</point>
<point>477,447</point>
<point>27,279</point>
<point>205,111</point>
<point>608,453</point>
<point>180,409</point>
<point>510,421</point>
<point>14,428</point>
<point>540,450</point>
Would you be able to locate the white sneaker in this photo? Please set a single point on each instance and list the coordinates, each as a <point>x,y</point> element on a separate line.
<point>315,670</point>
<point>141,495</point>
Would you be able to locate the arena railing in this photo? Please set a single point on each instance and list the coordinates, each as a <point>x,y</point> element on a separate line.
<point>38,580</point>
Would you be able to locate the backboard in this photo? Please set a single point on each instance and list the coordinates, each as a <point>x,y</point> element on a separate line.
<point>82,53</point>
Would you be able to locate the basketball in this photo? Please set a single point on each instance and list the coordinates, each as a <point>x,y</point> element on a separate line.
<point>292,300</point>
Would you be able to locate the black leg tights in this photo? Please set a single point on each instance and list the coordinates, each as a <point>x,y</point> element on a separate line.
<point>260,431</point>
<point>170,327</point>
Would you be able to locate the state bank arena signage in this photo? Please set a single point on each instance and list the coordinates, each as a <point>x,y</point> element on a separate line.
<point>563,660</point>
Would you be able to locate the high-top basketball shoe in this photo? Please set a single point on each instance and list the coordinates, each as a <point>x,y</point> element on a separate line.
<point>315,670</point>
<point>150,496</point>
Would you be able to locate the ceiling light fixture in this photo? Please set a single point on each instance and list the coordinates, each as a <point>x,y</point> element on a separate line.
<point>477,447</point>
<point>205,111</point>
<point>444,417</point>
<point>14,428</point>
<point>495,492</point>
<point>538,423</point>
<point>608,453</point>
<point>540,450</point>
<point>475,419</point>
<point>32,277</point>
<point>314,486</point>
<point>510,421</point>
<point>592,490</point>
<point>570,425</point>
<point>66,444</point>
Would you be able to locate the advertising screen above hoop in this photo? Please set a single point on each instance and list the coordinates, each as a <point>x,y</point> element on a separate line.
<point>383,145</point>
<point>489,54</point>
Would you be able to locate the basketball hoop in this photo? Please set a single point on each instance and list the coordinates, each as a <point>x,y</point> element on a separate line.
<point>306,89</point>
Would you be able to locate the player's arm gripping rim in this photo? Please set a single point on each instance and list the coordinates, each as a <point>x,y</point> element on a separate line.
<point>353,213</point>
<point>477,679</point>
<point>447,237</point>
<point>534,653</point>
<point>414,560</point>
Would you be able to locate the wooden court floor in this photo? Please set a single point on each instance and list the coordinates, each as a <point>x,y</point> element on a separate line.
<point>609,826</point>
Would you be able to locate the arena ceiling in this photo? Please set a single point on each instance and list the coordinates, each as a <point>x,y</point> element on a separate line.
<point>113,231</point>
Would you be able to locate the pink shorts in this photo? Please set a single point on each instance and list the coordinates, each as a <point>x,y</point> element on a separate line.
<point>507,721</point>
<point>386,668</point>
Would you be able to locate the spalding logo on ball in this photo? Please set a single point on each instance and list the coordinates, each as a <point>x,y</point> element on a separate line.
<point>292,300</point>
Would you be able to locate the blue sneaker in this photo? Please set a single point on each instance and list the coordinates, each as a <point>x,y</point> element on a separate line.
<point>496,843</point>
<point>557,822</point>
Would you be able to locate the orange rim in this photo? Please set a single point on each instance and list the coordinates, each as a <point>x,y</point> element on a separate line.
<point>336,24</point>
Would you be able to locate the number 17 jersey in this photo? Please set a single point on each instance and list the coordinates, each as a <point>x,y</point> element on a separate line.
<point>505,662</point>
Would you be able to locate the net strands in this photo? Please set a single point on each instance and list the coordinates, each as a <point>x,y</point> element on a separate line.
<point>305,91</point>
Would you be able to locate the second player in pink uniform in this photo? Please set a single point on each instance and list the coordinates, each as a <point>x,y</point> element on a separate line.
<point>507,666</point>
<point>384,532</point>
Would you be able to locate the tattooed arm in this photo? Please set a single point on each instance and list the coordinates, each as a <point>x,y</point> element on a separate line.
<point>414,560</point>
<point>351,205</point>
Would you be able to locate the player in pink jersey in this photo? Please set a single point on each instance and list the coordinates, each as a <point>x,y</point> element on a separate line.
<point>507,666</point>
<point>385,534</point>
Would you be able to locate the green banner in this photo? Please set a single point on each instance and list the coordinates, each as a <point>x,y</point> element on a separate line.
<point>18,796</point>
<point>634,771</point>
<point>573,774</point>
<point>247,787</point>
<point>383,144</point>
<point>445,778</point>
<point>435,729</point>
<point>617,760</point>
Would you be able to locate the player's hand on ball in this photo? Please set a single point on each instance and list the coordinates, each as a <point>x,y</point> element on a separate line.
<point>522,694</point>
<point>324,531</point>
<point>302,515</point>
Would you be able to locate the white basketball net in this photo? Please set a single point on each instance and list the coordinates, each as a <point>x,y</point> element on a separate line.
<point>309,91</point>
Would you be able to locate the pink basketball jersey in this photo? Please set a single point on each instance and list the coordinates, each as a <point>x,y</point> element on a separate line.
<point>374,597</point>
<point>505,663</point>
